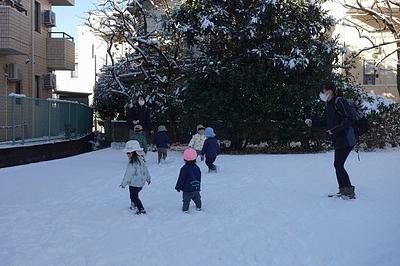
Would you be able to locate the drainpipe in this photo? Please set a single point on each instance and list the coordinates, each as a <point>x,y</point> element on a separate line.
<point>33,66</point>
<point>6,99</point>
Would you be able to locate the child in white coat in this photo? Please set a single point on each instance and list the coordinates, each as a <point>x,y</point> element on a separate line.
<point>136,174</point>
<point>198,139</point>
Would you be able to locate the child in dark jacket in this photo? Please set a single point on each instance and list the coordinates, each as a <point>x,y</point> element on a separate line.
<point>162,142</point>
<point>210,149</point>
<point>189,180</point>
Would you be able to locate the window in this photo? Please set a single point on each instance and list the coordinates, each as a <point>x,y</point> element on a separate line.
<point>37,86</point>
<point>369,72</point>
<point>74,73</point>
<point>37,15</point>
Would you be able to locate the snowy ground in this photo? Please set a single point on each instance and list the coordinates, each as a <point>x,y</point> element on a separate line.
<point>259,210</point>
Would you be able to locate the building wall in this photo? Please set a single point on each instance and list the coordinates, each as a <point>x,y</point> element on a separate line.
<point>91,55</point>
<point>385,72</point>
<point>19,26</point>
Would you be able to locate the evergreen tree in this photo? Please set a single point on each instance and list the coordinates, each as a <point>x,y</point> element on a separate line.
<point>260,68</point>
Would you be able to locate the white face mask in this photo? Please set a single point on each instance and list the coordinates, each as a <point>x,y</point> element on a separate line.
<point>141,103</point>
<point>323,97</point>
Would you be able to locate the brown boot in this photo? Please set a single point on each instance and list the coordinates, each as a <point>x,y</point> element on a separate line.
<point>348,192</point>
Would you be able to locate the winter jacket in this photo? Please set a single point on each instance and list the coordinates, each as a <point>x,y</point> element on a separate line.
<point>140,113</point>
<point>141,138</point>
<point>210,148</point>
<point>338,121</point>
<point>161,140</point>
<point>197,141</point>
<point>189,178</point>
<point>136,175</point>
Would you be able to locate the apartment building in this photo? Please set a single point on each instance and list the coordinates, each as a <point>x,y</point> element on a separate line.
<point>375,69</point>
<point>29,51</point>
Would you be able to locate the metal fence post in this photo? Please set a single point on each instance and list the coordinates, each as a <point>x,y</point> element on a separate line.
<point>13,119</point>
<point>49,116</point>
<point>69,121</point>
<point>76,120</point>
<point>22,101</point>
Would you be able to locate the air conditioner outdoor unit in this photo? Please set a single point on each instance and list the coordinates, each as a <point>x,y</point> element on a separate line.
<point>49,18</point>
<point>14,72</point>
<point>49,81</point>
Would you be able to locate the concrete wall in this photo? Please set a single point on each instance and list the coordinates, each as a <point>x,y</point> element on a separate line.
<point>37,153</point>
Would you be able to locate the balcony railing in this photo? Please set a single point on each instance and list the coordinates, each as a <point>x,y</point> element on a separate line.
<point>59,34</point>
<point>60,51</point>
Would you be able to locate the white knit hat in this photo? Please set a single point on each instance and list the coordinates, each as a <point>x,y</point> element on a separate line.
<point>133,145</point>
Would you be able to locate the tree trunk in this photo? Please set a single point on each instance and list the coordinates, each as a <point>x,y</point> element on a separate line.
<point>172,127</point>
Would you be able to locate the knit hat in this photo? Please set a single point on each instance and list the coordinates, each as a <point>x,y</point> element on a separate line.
<point>200,127</point>
<point>162,128</point>
<point>133,146</point>
<point>138,128</point>
<point>209,132</point>
<point>189,155</point>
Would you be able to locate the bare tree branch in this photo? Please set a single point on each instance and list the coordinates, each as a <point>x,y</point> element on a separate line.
<point>387,56</point>
<point>374,47</point>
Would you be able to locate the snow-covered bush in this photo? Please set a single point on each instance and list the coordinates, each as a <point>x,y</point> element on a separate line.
<point>384,130</point>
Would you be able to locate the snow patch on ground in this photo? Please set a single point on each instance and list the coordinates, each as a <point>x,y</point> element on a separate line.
<point>258,210</point>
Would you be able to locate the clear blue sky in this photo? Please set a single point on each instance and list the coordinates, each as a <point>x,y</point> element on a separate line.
<point>69,17</point>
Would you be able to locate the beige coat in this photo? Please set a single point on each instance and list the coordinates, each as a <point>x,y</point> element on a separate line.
<point>197,142</point>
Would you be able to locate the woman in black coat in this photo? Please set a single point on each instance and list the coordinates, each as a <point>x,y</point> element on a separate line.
<point>139,114</point>
<point>338,122</point>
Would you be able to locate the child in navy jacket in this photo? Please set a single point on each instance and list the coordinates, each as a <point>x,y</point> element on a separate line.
<point>162,142</point>
<point>189,180</point>
<point>210,149</point>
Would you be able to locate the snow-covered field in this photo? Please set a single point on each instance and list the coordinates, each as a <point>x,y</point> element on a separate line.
<point>258,210</point>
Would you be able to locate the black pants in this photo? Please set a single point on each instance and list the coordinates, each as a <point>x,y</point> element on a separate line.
<point>210,163</point>
<point>134,195</point>
<point>341,174</point>
<point>162,154</point>
<point>188,196</point>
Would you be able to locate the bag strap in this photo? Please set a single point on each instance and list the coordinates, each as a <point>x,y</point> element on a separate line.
<point>337,109</point>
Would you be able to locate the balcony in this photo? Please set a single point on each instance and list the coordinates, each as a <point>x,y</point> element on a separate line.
<point>60,51</point>
<point>63,2</point>
<point>14,31</point>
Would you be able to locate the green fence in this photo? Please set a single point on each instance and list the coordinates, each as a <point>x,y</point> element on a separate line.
<point>24,119</point>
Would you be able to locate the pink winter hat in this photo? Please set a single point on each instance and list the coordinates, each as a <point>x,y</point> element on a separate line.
<point>189,155</point>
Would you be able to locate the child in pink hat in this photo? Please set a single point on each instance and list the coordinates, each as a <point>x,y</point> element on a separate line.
<point>189,181</point>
